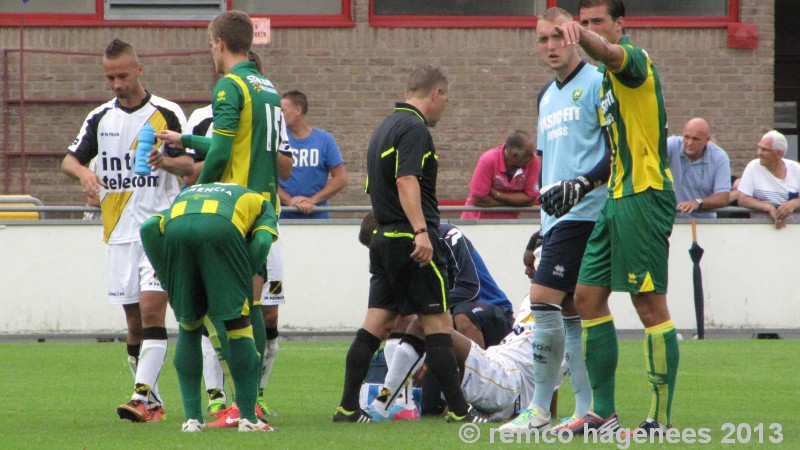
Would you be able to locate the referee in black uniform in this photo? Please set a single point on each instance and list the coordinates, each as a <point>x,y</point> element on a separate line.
<point>407,262</point>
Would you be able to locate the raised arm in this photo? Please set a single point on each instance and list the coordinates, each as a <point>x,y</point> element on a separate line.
<point>596,46</point>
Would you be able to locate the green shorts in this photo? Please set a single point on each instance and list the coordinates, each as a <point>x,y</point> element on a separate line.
<point>208,268</point>
<point>628,250</point>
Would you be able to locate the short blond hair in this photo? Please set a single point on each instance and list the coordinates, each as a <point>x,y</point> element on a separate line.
<point>551,14</point>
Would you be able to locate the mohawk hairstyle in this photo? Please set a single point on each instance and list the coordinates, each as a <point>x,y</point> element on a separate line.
<point>117,47</point>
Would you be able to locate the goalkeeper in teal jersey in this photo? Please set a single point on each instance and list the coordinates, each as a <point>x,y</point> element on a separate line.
<point>205,249</point>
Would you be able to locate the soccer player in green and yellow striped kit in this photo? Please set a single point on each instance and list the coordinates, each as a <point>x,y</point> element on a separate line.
<point>248,135</point>
<point>629,248</point>
<point>205,249</point>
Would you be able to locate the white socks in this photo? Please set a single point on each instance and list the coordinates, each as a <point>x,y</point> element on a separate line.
<point>270,352</point>
<point>405,363</point>
<point>151,359</point>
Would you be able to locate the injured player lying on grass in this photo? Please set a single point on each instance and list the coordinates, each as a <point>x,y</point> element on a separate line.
<point>495,381</point>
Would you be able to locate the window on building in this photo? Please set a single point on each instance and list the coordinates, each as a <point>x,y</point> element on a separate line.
<point>674,13</point>
<point>660,8</point>
<point>189,13</point>
<point>48,6</point>
<point>522,13</point>
<point>163,10</point>
<point>455,13</point>
<point>293,7</point>
<point>299,13</point>
<point>513,8</point>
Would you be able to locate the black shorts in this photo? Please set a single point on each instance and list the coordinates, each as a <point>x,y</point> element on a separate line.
<point>493,321</point>
<point>398,283</point>
<point>562,253</point>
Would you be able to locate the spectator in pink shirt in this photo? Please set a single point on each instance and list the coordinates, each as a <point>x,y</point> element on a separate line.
<point>505,176</point>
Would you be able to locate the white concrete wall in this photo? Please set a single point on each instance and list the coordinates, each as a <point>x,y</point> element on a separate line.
<point>52,276</point>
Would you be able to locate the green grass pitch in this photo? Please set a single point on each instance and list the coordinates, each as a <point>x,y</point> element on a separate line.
<point>60,395</point>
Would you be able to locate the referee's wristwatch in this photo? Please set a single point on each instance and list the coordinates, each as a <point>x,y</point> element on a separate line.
<point>699,202</point>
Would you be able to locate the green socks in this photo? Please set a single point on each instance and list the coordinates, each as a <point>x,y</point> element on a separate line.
<point>188,362</point>
<point>244,364</point>
<point>601,353</point>
<point>661,356</point>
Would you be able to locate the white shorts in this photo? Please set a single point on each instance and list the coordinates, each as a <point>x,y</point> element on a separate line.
<point>492,383</point>
<point>272,292</point>
<point>128,272</point>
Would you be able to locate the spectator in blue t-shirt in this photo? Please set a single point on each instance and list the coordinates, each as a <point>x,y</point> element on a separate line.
<point>315,156</point>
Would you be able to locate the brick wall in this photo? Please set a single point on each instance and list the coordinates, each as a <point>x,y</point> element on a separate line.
<point>353,76</point>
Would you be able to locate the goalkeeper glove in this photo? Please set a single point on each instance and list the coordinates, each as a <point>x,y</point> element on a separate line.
<point>559,199</point>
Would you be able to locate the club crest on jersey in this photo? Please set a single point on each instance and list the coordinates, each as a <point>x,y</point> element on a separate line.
<point>576,95</point>
<point>261,84</point>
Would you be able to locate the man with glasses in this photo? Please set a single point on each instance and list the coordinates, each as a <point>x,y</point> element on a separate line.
<point>770,183</point>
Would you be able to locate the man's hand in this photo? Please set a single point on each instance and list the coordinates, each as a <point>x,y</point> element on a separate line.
<point>91,184</point>
<point>571,32</point>
<point>688,206</point>
<point>172,138</point>
<point>529,256</point>
<point>561,197</point>
<point>155,159</point>
<point>529,260</point>
<point>303,204</point>
<point>423,250</point>
<point>780,214</point>
<point>785,210</point>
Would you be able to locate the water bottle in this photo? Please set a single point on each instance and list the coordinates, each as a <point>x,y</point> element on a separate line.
<point>147,139</point>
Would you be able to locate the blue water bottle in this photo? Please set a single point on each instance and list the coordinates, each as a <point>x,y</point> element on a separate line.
<point>147,138</point>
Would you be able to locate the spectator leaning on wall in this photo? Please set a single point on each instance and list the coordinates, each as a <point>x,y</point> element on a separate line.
<point>770,183</point>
